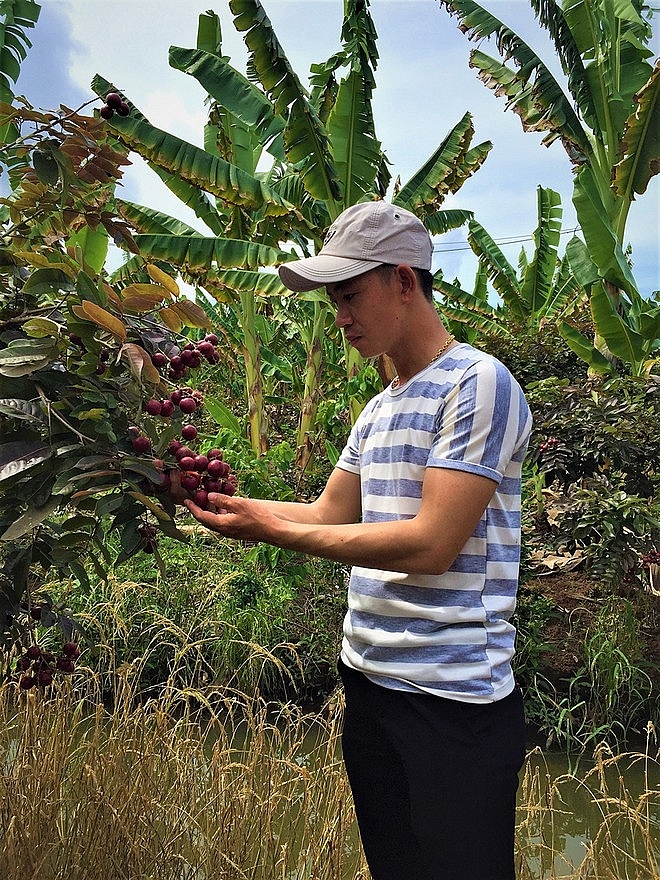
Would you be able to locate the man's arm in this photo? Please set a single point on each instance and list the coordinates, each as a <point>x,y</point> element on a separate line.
<point>452,504</point>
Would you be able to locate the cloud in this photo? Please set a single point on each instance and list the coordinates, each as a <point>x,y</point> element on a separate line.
<point>424,86</point>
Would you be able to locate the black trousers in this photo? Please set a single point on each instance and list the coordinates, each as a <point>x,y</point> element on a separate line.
<point>434,781</point>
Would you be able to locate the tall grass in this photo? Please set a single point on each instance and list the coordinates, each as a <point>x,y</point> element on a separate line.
<point>248,789</point>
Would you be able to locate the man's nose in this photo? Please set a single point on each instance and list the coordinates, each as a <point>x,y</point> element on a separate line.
<point>343,317</point>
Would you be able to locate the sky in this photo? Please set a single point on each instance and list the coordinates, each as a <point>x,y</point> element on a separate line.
<point>424,87</point>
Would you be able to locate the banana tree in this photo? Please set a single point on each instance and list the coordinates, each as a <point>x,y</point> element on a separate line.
<point>608,125</point>
<point>322,153</point>
<point>542,290</point>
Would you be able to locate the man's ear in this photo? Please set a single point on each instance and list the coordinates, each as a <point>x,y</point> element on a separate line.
<point>407,279</point>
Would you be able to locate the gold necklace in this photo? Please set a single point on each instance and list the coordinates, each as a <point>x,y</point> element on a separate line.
<point>443,348</point>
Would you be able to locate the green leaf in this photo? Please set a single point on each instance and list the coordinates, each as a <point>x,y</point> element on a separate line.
<point>601,239</point>
<point>305,138</point>
<point>29,410</point>
<point>19,456</point>
<point>30,520</point>
<point>621,339</point>
<point>584,349</point>
<point>197,252</point>
<point>194,165</point>
<point>46,280</point>
<point>234,92</point>
<point>640,145</point>
<point>93,244</point>
<point>222,415</point>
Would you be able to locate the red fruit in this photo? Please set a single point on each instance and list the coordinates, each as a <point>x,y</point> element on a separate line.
<point>217,468</point>
<point>154,407</point>
<point>158,359</point>
<point>188,357</point>
<point>212,485</point>
<point>189,432</point>
<point>64,664</point>
<point>176,396</point>
<point>190,482</point>
<point>134,430</point>
<point>229,485</point>
<point>201,462</point>
<point>45,677</point>
<point>201,498</point>
<point>106,112</point>
<point>123,109</point>
<point>33,652</point>
<point>176,363</point>
<point>174,446</point>
<point>71,650</point>
<point>205,348</point>
<point>189,346</point>
<point>214,453</point>
<point>187,463</point>
<point>196,360</point>
<point>141,444</point>
<point>112,99</point>
<point>35,612</point>
<point>27,681</point>
<point>212,338</point>
<point>197,395</point>
<point>188,405</point>
<point>184,452</point>
<point>74,339</point>
<point>166,409</point>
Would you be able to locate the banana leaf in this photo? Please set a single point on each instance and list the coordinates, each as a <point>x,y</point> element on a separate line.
<point>441,173</point>
<point>264,284</point>
<point>446,219</point>
<point>234,92</point>
<point>621,339</point>
<point>584,349</point>
<point>306,140</point>
<point>197,252</point>
<point>500,271</point>
<point>640,144</point>
<point>152,221</point>
<point>192,164</point>
<point>538,276</point>
<point>357,151</point>
<point>604,248</point>
<point>536,95</point>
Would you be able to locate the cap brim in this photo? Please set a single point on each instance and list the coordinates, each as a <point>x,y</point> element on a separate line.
<point>303,275</point>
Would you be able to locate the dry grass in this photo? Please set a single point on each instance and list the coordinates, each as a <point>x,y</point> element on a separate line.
<point>610,814</point>
<point>152,793</point>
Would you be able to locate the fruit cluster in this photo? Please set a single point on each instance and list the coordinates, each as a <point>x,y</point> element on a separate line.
<point>550,443</point>
<point>651,558</point>
<point>37,667</point>
<point>201,473</point>
<point>114,103</point>
<point>189,357</point>
<point>186,399</point>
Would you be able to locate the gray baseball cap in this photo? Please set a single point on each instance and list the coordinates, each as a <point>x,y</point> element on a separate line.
<point>363,237</point>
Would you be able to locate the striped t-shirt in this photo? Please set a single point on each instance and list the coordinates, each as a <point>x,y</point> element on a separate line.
<point>447,634</point>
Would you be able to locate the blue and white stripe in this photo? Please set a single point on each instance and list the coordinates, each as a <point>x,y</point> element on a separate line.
<point>446,634</point>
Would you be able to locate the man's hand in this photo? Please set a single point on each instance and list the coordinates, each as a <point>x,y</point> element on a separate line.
<point>244,519</point>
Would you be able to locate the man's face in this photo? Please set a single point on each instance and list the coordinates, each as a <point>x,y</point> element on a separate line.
<point>367,310</point>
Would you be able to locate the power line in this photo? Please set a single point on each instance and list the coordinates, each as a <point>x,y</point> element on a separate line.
<point>440,249</point>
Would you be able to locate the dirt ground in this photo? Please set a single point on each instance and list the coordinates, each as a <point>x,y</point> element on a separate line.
<point>577,599</point>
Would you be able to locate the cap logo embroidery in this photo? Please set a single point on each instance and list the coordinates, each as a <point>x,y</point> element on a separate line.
<point>329,235</point>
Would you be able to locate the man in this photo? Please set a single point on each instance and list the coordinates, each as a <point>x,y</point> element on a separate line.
<point>424,504</point>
